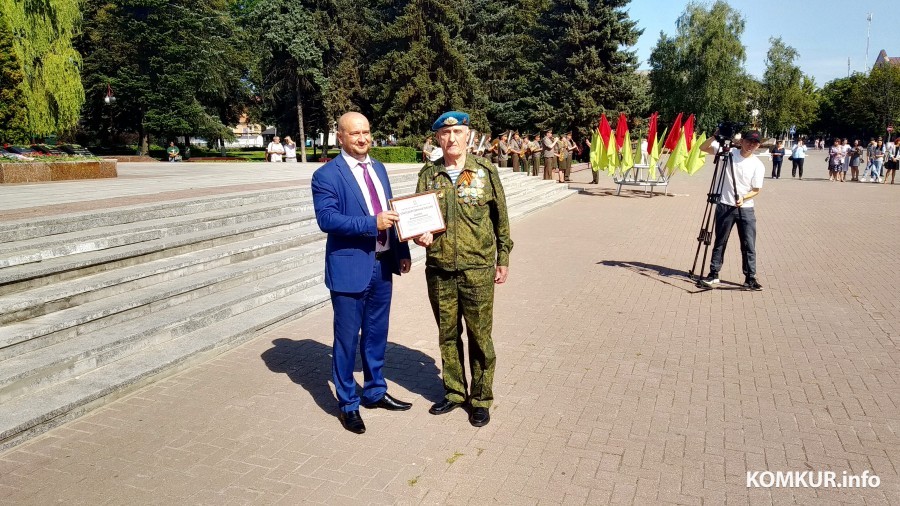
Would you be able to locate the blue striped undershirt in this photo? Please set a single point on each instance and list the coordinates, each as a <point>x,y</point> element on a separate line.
<point>454,174</point>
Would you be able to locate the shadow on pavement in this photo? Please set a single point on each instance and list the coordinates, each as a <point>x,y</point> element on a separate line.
<point>308,363</point>
<point>599,191</point>
<point>672,277</point>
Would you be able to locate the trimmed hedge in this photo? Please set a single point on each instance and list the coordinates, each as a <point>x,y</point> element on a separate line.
<point>399,154</point>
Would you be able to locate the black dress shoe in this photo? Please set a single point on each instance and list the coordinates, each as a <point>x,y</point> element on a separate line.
<point>445,406</point>
<point>479,417</point>
<point>389,403</point>
<point>353,422</point>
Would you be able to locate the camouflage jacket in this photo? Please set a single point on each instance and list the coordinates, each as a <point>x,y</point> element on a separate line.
<point>474,209</point>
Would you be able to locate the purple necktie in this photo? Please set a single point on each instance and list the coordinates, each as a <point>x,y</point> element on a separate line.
<point>376,203</point>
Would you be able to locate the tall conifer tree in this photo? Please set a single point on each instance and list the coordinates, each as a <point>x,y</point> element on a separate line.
<point>586,71</point>
<point>502,52</point>
<point>421,69</point>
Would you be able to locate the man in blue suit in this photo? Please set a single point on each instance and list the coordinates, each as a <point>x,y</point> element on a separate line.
<point>350,195</point>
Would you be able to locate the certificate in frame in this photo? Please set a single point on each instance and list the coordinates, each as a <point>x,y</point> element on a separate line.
<point>419,213</point>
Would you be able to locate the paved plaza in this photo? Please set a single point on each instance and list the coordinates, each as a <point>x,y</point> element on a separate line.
<point>618,381</point>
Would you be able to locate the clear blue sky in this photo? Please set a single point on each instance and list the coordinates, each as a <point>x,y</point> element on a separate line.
<point>825,32</point>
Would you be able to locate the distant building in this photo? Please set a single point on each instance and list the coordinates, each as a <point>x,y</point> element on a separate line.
<point>884,59</point>
<point>250,135</point>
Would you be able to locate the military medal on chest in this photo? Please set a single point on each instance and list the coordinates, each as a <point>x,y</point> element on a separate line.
<point>470,192</point>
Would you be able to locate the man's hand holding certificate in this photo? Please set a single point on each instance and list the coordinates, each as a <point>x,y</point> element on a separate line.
<point>419,214</point>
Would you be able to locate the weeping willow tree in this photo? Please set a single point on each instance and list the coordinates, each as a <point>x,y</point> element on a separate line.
<point>47,81</point>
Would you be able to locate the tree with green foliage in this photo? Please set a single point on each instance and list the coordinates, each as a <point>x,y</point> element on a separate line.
<point>50,90</point>
<point>861,105</point>
<point>13,116</point>
<point>788,96</point>
<point>420,69</point>
<point>289,65</point>
<point>699,69</point>
<point>880,102</point>
<point>586,71</point>
<point>839,112</point>
<point>176,68</point>
<point>502,52</point>
<point>309,69</point>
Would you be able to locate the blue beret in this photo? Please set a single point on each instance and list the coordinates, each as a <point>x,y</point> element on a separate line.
<point>450,119</point>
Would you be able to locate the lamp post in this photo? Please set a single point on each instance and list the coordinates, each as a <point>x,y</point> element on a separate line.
<point>109,99</point>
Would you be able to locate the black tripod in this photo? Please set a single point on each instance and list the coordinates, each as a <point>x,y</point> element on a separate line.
<point>723,162</point>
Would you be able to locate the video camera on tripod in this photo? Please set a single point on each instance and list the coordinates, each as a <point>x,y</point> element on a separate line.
<point>725,132</point>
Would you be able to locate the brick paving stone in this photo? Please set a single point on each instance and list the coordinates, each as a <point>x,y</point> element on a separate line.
<point>618,381</point>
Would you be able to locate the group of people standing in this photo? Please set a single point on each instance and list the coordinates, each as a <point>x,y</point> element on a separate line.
<point>523,153</point>
<point>277,151</point>
<point>881,160</point>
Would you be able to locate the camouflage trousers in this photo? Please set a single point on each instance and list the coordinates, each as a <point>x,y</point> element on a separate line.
<point>458,296</point>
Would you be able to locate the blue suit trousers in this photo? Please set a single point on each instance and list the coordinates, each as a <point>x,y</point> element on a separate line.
<point>367,311</point>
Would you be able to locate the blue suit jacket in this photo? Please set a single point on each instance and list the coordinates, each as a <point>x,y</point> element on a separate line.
<point>341,213</point>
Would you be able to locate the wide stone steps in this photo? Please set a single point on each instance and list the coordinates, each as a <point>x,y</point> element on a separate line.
<point>51,328</point>
<point>29,371</point>
<point>39,301</point>
<point>20,231</point>
<point>51,260</point>
<point>79,328</point>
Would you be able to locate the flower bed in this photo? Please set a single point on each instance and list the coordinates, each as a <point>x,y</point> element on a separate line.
<point>44,170</point>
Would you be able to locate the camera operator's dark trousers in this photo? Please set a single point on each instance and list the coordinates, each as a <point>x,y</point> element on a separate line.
<point>726,218</point>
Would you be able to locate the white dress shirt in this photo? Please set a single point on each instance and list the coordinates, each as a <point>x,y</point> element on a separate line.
<point>356,169</point>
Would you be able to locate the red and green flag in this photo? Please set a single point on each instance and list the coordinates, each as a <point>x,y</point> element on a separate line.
<point>651,133</point>
<point>621,129</point>
<point>674,134</point>
<point>689,131</point>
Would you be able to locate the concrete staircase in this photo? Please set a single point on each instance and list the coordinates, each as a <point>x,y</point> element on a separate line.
<point>96,304</point>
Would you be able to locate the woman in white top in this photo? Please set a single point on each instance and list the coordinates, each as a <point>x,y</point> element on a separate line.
<point>798,156</point>
<point>290,149</point>
<point>275,150</point>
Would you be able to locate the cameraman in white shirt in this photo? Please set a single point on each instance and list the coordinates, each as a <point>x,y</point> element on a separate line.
<point>736,205</point>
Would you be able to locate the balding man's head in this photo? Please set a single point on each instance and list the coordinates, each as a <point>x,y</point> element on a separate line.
<point>350,118</point>
<point>353,135</point>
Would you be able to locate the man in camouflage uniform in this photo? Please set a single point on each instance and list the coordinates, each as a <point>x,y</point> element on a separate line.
<point>463,264</point>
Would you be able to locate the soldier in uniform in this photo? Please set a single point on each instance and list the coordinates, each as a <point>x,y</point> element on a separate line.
<point>570,148</point>
<point>559,150</point>
<point>517,151</point>
<point>534,149</point>
<point>463,264</point>
<point>549,146</point>
<point>494,151</point>
<point>503,150</point>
